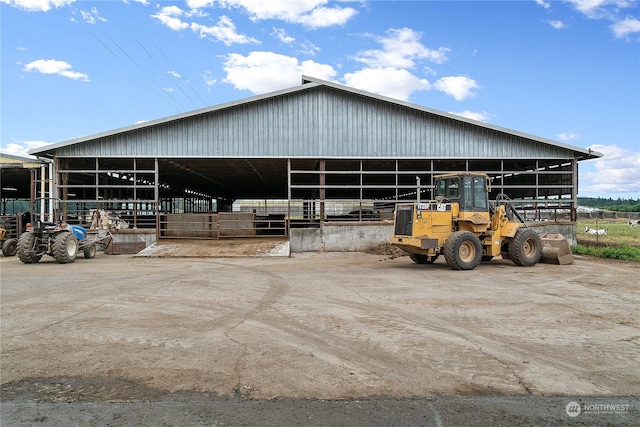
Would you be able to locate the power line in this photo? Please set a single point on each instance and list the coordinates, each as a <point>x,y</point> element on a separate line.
<point>170,99</point>
<point>204,103</point>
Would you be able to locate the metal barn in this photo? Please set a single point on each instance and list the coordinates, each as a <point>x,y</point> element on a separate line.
<point>302,157</point>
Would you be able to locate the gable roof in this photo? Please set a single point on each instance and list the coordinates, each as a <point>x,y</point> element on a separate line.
<point>315,119</point>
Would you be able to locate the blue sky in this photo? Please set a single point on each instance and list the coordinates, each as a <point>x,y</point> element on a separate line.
<point>564,70</point>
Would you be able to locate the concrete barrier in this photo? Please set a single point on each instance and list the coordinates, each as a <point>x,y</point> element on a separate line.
<point>340,237</point>
<point>337,237</point>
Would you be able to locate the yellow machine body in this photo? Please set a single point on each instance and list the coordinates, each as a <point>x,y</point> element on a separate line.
<point>434,222</point>
<point>461,208</point>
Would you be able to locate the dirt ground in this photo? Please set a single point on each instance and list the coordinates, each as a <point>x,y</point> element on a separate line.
<point>340,327</point>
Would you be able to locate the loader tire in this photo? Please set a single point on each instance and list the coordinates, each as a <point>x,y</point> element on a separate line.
<point>525,249</point>
<point>65,248</point>
<point>10,247</point>
<point>90,251</point>
<point>463,250</point>
<point>423,259</point>
<point>26,248</point>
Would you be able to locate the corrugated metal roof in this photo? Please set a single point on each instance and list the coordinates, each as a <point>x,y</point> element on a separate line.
<point>9,160</point>
<point>318,119</point>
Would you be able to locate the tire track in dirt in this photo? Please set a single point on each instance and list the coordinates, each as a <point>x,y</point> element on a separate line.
<point>277,288</point>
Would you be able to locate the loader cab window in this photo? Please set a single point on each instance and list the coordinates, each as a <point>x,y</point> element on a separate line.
<point>480,196</point>
<point>475,194</point>
<point>449,188</point>
<point>468,190</point>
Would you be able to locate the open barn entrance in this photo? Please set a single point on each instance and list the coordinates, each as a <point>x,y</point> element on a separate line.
<point>200,198</point>
<point>228,198</point>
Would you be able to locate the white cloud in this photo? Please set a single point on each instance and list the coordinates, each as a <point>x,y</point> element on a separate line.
<point>308,48</point>
<point>626,27</point>
<point>460,87</point>
<point>323,17</point>
<point>558,25</point>
<point>208,78</point>
<point>37,5</point>
<point>596,9</point>
<point>52,66</point>
<point>387,68</point>
<point>482,116</point>
<point>21,148</point>
<point>310,13</point>
<point>544,3</point>
<point>321,71</point>
<point>261,72</point>
<point>224,31</point>
<point>568,136</point>
<point>401,48</point>
<point>92,16</point>
<point>602,9</point>
<point>617,172</point>
<point>391,82</point>
<point>196,4</point>
<point>282,35</point>
<point>286,10</point>
<point>169,16</point>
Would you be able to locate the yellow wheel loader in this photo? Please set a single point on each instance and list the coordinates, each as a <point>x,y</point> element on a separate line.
<point>462,225</point>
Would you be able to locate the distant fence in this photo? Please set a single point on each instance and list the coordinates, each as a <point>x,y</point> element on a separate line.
<point>609,215</point>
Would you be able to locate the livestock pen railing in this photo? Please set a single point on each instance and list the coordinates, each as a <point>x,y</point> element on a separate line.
<point>220,225</point>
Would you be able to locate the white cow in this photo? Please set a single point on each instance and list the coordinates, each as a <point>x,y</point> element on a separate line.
<point>598,231</point>
<point>634,223</point>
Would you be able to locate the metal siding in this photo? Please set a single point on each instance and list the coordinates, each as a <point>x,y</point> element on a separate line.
<point>322,122</point>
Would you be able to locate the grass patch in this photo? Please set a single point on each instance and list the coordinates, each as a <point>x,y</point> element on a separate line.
<point>618,233</point>
<point>624,252</point>
<point>620,242</point>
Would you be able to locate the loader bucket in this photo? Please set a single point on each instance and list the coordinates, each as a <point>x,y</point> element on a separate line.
<point>555,249</point>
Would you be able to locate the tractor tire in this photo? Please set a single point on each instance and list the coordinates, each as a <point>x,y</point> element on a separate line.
<point>26,248</point>
<point>90,251</point>
<point>525,249</point>
<point>463,250</point>
<point>10,247</point>
<point>65,247</point>
<point>423,259</point>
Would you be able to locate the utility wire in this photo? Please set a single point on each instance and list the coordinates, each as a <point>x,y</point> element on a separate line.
<point>204,103</point>
<point>156,62</point>
<point>161,92</point>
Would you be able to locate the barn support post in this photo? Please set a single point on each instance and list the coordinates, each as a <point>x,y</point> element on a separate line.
<point>64,178</point>
<point>574,190</point>
<point>52,194</point>
<point>135,193</point>
<point>156,195</point>
<point>32,192</point>
<point>288,223</point>
<point>323,181</point>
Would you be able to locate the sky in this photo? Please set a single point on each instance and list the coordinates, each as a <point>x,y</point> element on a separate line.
<point>566,70</point>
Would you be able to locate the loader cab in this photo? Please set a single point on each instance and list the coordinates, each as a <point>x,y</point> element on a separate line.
<point>470,191</point>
